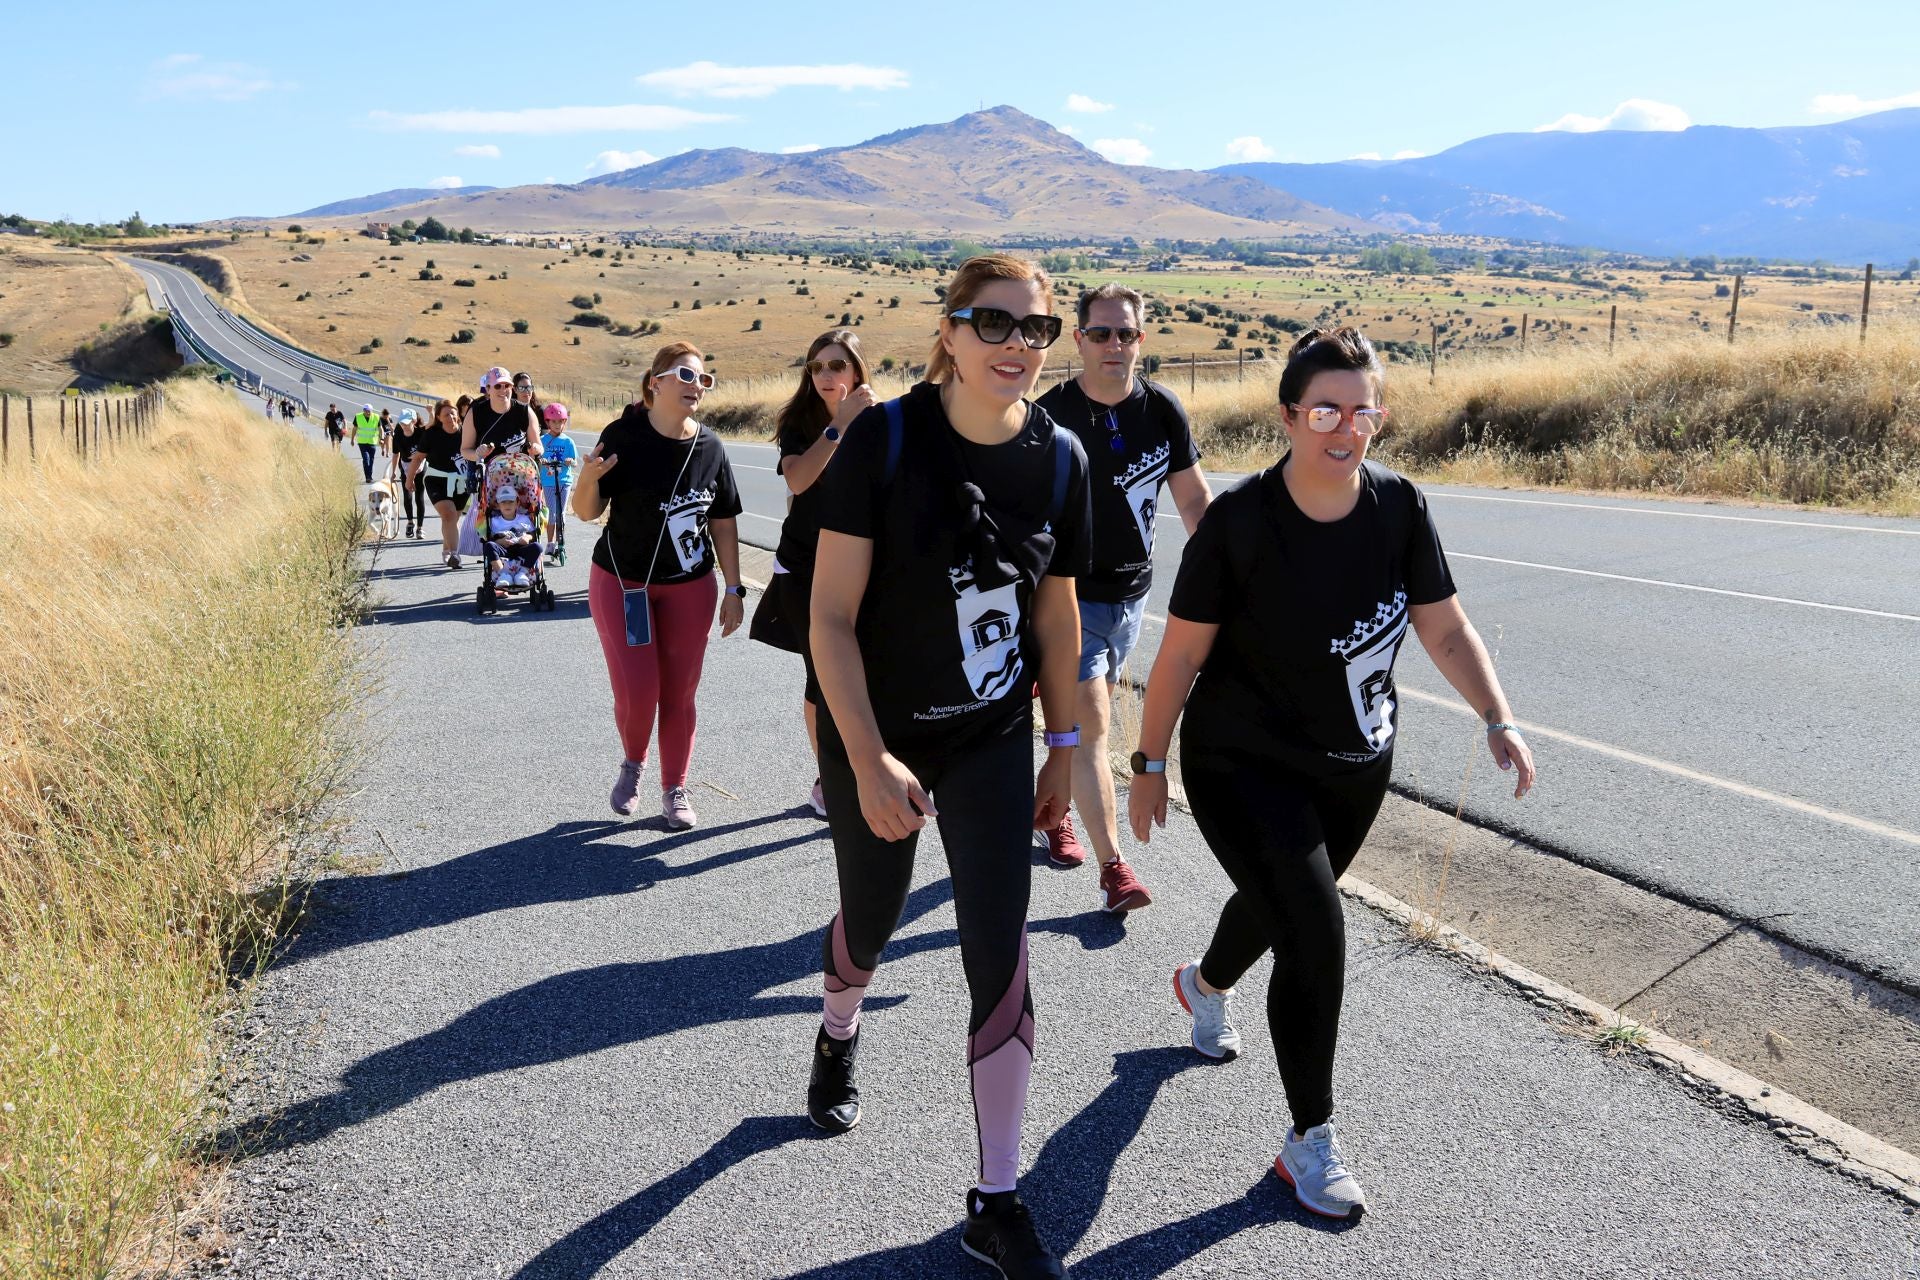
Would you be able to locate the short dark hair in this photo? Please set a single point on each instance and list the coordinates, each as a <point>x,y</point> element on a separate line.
<point>1320,350</point>
<point>1117,293</point>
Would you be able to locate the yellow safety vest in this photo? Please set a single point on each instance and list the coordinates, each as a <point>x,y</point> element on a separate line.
<point>366,428</point>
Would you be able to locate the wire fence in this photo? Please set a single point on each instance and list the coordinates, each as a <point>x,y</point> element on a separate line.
<point>87,427</point>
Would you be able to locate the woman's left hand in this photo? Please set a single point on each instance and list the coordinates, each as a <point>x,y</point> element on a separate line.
<point>1510,752</point>
<point>1053,790</point>
<point>733,611</point>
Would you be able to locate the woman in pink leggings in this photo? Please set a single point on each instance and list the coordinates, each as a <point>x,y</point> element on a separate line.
<point>666,487</point>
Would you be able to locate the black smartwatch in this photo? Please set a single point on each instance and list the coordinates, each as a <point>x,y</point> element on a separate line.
<point>1142,765</point>
<point>737,590</point>
<point>832,434</point>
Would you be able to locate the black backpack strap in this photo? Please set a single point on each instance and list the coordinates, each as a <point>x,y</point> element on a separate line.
<point>896,431</point>
<point>1062,472</point>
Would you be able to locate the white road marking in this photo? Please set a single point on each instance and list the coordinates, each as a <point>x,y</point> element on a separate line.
<point>1688,586</point>
<point>755,515</point>
<point>1681,771</point>
<point>1685,515</point>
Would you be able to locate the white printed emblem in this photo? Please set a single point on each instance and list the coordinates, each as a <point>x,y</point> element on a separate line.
<point>1369,651</point>
<point>687,526</point>
<point>1142,483</point>
<point>989,623</point>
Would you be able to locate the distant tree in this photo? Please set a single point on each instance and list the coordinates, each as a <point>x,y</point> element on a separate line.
<point>466,235</point>
<point>521,326</point>
<point>581,302</point>
<point>409,226</point>
<point>755,327</point>
<point>293,228</point>
<point>463,335</point>
<point>433,229</point>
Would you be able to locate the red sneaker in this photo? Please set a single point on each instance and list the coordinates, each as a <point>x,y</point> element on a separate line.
<point>1120,889</point>
<point>1063,845</point>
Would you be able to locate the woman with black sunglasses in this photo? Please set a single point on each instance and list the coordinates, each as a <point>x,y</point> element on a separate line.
<point>1293,600</point>
<point>833,391</point>
<point>667,489</point>
<point>952,524</point>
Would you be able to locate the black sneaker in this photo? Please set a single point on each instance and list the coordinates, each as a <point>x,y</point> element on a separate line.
<point>1000,1233</point>
<point>833,1099</point>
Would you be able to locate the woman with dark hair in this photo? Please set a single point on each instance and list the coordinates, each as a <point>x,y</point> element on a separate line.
<point>833,391</point>
<point>952,524</point>
<point>523,393</point>
<point>442,474</point>
<point>404,449</point>
<point>1293,600</point>
<point>672,513</point>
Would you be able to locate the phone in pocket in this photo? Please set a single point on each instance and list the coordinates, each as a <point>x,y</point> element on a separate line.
<point>639,617</point>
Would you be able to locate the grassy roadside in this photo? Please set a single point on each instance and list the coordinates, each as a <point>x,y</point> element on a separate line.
<point>173,674</point>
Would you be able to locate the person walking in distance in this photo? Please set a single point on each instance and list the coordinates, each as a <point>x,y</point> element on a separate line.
<point>1137,440</point>
<point>952,524</point>
<point>1293,600</point>
<point>444,476</point>
<point>336,425</point>
<point>405,451</point>
<point>833,391</point>
<point>673,511</point>
<point>366,435</point>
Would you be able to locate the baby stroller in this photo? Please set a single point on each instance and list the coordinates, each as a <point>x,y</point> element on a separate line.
<point>522,473</point>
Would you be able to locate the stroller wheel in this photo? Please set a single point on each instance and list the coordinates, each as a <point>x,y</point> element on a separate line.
<point>483,599</point>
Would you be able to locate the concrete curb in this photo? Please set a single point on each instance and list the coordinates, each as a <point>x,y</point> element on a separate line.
<point>1824,1139</point>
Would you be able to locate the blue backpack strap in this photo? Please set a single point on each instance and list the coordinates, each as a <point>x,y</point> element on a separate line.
<point>896,430</point>
<point>1062,472</point>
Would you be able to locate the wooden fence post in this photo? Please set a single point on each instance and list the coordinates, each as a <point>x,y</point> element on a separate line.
<point>1524,326</point>
<point>1193,372</point>
<point>1613,325</point>
<point>30,449</point>
<point>1433,349</point>
<point>1866,303</point>
<point>1243,364</point>
<point>1733,316</point>
<point>63,421</point>
<point>96,430</point>
<point>6,428</point>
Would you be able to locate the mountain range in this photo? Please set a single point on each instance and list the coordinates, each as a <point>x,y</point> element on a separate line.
<point>1842,191</point>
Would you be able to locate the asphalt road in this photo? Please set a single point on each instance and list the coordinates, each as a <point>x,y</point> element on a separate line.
<point>1722,699</point>
<point>515,1038</point>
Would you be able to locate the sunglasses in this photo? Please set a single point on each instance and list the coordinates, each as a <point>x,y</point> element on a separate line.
<point>1101,334</point>
<point>835,365</point>
<point>523,386</point>
<point>992,325</point>
<point>687,376</point>
<point>1325,418</point>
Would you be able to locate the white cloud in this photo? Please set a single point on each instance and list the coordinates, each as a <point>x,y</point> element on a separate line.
<point>1089,106</point>
<point>711,80</point>
<point>800,149</point>
<point>1409,155</point>
<point>1852,104</point>
<point>1122,150</point>
<point>191,78</point>
<point>547,119</point>
<point>615,161</point>
<point>1641,115</point>
<point>1250,148</point>
<point>481,151</point>
<point>445,184</point>
<point>1365,155</point>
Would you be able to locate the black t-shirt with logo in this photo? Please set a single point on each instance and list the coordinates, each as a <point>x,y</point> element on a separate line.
<point>1311,616</point>
<point>441,446</point>
<point>800,531</point>
<point>947,640</point>
<point>407,440</point>
<point>1158,441</point>
<point>505,431</point>
<point>336,420</point>
<point>645,499</point>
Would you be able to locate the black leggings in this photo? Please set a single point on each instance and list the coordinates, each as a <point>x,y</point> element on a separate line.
<point>984,792</point>
<point>1284,838</point>
<point>412,500</point>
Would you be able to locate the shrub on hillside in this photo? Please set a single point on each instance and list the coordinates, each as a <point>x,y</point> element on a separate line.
<point>520,326</point>
<point>462,335</point>
<point>464,283</point>
<point>592,320</point>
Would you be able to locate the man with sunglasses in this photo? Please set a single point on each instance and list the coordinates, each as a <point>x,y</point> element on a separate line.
<point>1137,438</point>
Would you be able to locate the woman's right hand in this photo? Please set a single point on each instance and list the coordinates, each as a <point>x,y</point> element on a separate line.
<point>890,796</point>
<point>1147,804</point>
<point>858,401</point>
<point>596,466</point>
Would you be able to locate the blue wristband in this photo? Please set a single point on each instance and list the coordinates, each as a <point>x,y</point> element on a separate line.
<point>1071,738</point>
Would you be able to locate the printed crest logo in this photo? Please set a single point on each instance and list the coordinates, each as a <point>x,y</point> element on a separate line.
<point>1142,482</point>
<point>1369,650</point>
<point>989,624</point>
<point>687,526</point>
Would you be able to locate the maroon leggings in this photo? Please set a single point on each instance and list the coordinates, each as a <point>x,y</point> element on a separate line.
<point>662,675</point>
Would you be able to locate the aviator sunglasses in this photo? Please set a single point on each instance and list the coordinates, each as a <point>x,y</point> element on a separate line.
<point>687,376</point>
<point>835,365</point>
<point>1325,418</point>
<point>992,325</point>
<point>1101,334</point>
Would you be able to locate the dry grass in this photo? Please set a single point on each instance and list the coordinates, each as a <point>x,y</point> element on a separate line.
<point>173,674</point>
<point>51,301</point>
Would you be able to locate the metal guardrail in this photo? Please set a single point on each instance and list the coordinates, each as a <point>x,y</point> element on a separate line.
<point>323,366</point>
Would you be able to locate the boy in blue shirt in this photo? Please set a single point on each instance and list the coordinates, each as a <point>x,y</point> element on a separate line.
<point>557,445</point>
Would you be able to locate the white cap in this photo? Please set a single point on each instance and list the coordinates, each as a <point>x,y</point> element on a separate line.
<point>506,493</point>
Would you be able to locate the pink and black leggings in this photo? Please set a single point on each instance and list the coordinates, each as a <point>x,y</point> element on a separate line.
<point>984,791</point>
<point>661,677</point>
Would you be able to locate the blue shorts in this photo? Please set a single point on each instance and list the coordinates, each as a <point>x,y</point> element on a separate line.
<point>1108,633</point>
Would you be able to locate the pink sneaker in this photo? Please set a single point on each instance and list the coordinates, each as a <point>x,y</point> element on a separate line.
<point>626,789</point>
<point>1063,845</point>
<point>676,806</point>
<point>1120,889</point>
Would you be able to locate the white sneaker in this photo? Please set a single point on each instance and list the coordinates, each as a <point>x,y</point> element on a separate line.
<point>1313,1164</point>
<point>818,800</point>
<point>1214,1035</point>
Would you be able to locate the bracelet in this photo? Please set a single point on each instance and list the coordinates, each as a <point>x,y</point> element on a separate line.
<point>1501,725</point>
<point>1071,738</point>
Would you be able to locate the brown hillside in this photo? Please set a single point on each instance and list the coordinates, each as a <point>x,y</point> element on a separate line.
<point>994,172</point>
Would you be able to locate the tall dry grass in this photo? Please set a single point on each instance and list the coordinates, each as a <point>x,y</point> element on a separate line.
<point>172,679</point>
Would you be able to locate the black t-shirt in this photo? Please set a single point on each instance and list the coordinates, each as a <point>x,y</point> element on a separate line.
<point>507,431</point>
<point>1126,482</point>
<point>644,497</point>
<point>336,420</point>
<point>800,531</point>
<point>440,446</point>
<point>407,440</point>
<point>1311,615</point>
<point>944,638</point>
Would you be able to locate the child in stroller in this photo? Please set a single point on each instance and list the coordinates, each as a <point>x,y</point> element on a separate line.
<point>512,527</point>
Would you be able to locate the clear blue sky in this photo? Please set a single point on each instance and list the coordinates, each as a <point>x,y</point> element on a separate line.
<point>220,109</point>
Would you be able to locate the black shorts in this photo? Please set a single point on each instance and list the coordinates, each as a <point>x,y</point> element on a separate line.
<point>437,492</point>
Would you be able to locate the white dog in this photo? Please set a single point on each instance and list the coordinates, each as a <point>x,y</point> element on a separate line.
<point>381,505</point>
